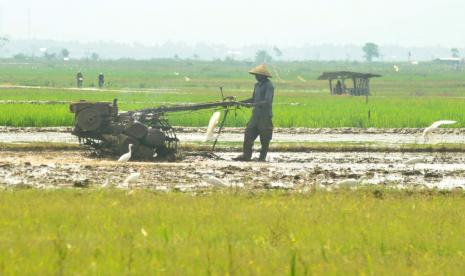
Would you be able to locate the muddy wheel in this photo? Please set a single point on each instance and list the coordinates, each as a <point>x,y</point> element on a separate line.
<point>166,154</point>
<point>171,157</point>
<point>145,153</point>
<point>89,119</point>
<point>136,130</point>
<point>124,144</point>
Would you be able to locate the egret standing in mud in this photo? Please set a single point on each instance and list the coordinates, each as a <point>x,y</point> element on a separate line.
<point>429,130</point>
<point>125,157</point>
<point>212,180</point>
<point>133,177</point>
<point>413,161</point>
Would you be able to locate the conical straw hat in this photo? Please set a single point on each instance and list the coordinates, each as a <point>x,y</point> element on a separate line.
<point>260,70</point>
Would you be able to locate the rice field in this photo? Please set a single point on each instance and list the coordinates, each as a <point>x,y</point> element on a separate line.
<point>243,232</point>
<point>413,97</point>
<point>346,232</point>
<point>292,110</point>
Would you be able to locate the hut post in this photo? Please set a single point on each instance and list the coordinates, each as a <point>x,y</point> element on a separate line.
<point>367,91</point>
<point>354,80</point>
<point>368,86</point>
<point>330,86</point>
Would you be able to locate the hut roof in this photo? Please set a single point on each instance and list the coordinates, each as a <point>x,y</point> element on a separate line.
<point>346,75</point>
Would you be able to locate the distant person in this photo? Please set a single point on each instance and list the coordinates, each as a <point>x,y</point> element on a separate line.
<point>101,80</point>
<point>338,87</point>
<point>79,79</point>
<point>261,122</point>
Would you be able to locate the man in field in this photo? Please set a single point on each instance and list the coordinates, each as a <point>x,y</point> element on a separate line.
<point>261,122</point>
<point>79,79</point>
<point>101,80</point>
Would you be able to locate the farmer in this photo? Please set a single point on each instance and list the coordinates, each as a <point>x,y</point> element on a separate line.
<point>261,122</point>
<point>101,80</point>
<point>79,79</point>
<point>339,87</point>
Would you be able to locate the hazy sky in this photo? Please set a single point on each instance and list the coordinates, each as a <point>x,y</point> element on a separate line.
<point>239,22</point>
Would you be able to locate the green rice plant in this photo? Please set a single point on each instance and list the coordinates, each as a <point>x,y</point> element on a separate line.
<point>311,111</point>
<point>32,115</point>
<point>414,97</point>
<point>370,231</point>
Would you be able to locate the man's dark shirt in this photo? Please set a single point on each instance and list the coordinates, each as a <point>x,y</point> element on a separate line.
<point>262,99</point>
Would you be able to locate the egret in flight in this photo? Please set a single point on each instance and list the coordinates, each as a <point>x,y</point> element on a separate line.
<point>429,130</point>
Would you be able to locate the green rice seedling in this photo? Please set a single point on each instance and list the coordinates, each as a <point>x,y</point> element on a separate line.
<point>370,231</point>
<point>415,97</point>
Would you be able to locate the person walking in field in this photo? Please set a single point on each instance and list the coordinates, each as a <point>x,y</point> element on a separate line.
<point>79,79</point>
<point>101,80</point>
<point>339,89</point>
<point>260,124</point>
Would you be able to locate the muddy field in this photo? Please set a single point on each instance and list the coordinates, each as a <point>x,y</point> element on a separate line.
<point>197,171</point>
<point>296,171</point>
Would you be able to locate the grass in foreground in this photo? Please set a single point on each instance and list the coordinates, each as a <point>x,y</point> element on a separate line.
<point>108,232</point>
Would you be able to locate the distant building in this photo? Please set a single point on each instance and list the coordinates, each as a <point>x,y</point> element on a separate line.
<point>450,60</point>
<point>457,63</point>
<point>360,82</point>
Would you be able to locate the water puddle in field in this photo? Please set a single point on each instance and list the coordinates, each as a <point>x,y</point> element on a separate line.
<point>345,135</point>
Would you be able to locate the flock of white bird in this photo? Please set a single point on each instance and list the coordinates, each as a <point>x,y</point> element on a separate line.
<point>427,133</point>
<point>134,176</point>
<point>212,180</point>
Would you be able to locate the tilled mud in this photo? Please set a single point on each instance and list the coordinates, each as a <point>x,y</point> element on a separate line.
<point>295,171</point>
<point>197,172</point>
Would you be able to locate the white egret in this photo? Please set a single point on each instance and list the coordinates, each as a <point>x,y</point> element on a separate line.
<point>349,182</point>
<point>125,157</point>
<point>413,161</point>
<point>105,184</point>
<point>301,79</point>
<point>450,184</point>
<point>211,125</point>
<point>396,68</point>
<point>133,177</point>
<point>187,79</point>
<point>215,181</point>
<point>429,130</point>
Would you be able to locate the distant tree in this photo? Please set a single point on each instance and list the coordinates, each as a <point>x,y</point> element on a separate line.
<point>64,53</point>
<point>49,56</point>
<point>229,59</point>
<point>3,41</point>
<point>94,56</point>
<point>262,56</point>
<point>195,56</point>
<point>20,57</point>
<point>277,52</point>
<point>176,56</point>
<point>455,52</point>
<point>371,51</point>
